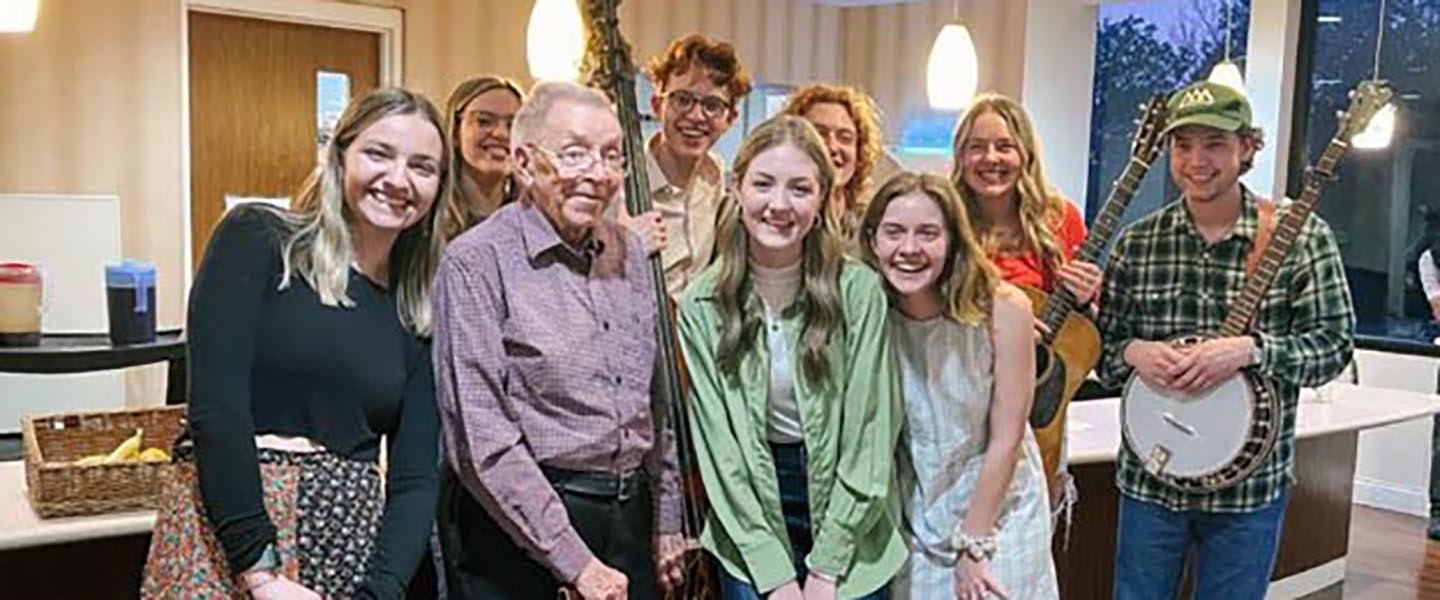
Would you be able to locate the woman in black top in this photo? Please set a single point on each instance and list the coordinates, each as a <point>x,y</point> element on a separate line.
<point>306,348</point>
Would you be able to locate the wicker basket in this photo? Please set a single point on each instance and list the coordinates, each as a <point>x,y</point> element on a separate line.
<point>60,488</point>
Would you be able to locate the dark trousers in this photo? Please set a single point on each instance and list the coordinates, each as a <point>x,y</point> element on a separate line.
<point>488,564</point>
<point>793,472</point>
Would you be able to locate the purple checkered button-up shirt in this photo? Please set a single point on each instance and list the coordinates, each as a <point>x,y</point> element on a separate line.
<point>543,356</point>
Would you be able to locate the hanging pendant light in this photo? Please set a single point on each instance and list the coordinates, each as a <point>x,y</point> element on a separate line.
<point>555,40</point>
<point>1378,132</point>
<point>953,71</point>
<point>18,16</point>
<point>1227,73</point>
<point>1381,128</point>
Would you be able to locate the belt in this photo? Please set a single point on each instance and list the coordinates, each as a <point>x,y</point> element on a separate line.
<point>617,486</point>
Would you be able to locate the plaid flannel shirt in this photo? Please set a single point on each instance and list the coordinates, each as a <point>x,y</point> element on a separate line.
<point>1163,280</point>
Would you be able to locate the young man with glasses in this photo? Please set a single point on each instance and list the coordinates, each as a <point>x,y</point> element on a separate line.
<point>699,82</point>
<point>544,349</point>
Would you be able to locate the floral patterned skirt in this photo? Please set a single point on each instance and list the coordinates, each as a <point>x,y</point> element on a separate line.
<point>325,508</point>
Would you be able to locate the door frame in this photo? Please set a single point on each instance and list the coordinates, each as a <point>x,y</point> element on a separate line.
<point>388,22</point>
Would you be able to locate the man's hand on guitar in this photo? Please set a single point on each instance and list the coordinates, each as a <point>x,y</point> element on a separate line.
<point>1211,362</point>
<point>1153,361</point>
<point>650,226</point>
<point>670,561</point>
<point>600,582</point>
<point>1082,279</point>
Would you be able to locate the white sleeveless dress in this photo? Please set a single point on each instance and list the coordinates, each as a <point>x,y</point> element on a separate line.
<point>946,372</point>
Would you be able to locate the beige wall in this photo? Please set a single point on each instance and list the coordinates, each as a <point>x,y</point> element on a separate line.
<point>92,99</point>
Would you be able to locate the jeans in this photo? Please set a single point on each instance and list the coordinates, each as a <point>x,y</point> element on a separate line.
<point>1234,553</point>
<point>791,469</point>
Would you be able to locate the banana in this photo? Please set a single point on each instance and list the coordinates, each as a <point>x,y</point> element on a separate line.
<point>154,455</point>
<point>127,450</point>
<point>90,461</point>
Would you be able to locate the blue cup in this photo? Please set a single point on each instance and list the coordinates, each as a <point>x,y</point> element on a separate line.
<point>130,297</point>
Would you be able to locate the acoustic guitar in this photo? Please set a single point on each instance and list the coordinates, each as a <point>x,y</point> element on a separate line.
<point>1070,346</point>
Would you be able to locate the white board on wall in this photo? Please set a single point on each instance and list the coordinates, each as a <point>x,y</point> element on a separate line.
<point>71,237</point>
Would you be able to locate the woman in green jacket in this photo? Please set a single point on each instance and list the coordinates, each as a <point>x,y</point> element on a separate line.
<point>794,397</point>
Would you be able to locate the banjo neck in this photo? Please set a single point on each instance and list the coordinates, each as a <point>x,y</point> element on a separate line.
<point>1291,223</point>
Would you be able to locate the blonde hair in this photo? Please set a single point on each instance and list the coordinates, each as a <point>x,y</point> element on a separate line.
<point>320,245</point>
<point>822,258</point>
<point>456,216</point>
<point>1041,208</point>
<point>968,279</point>
<point>866,115</point>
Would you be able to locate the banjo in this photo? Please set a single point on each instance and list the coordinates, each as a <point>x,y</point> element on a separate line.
<point>1217,438</point>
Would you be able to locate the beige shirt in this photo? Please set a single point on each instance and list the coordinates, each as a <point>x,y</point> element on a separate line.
<point>690,216</point>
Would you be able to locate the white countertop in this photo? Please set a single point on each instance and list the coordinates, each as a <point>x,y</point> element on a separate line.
<point>1094,426</point>
<point>1094,431</point>
<point>20,527</point>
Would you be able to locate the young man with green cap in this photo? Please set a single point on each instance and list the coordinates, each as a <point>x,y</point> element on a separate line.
<point>1175,272</point>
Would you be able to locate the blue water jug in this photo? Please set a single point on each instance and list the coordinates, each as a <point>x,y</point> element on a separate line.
<point>130,296</point>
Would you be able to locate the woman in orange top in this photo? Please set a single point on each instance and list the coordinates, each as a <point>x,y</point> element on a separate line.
<point>1028,229</point>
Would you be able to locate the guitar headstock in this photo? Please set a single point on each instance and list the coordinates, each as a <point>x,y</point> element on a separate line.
<point>1150,134</point>
<point>1367,99</point>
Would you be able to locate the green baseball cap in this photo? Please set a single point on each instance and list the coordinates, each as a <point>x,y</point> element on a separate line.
<point>1209,104</point>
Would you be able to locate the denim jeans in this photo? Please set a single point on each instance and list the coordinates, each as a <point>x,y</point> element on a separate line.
<point>1234,553</point>
<point>791,469</point>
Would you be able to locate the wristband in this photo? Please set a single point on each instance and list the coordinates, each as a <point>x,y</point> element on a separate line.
<point>978,548</point>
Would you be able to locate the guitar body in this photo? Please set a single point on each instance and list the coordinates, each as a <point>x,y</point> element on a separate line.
<point>1060,368</point>
<point>1201,442</point>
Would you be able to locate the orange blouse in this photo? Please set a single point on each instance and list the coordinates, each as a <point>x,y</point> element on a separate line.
<point>1025,268</point>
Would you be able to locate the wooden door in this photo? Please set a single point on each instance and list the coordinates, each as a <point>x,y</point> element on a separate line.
<point>253,98</point>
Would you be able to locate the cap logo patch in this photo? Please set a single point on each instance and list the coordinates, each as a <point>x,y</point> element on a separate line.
<point>1196,97</point>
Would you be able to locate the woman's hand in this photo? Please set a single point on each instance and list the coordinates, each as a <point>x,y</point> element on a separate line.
<point>974,582</point>
<point>279,587</point>
<point>1082,279</point>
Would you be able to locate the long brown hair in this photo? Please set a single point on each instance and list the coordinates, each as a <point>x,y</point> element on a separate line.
<point>822,257</point>
<point>968,279</point>
<point>320,246</point>
<point>457,216</point>
<point>1041,207</point>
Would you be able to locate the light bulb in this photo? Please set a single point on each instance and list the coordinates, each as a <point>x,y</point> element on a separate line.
<point>1227,73</point>
<point>555,40</point>
<point>953,71</point>
<point>1378,132</point>
<point>18,16</point>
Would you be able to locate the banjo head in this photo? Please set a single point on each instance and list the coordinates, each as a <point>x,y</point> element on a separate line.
<point>1200,442</point>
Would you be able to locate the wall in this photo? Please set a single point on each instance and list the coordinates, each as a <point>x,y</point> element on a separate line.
<point>91,105</point>
<point>1059,83</point>
<point>92,99</point>
<point>1392,467</point>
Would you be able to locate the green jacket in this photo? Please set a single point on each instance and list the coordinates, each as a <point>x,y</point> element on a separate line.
<point>851,428</point>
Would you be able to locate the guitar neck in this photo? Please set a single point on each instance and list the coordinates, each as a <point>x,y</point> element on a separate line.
<point>1062,302</point>
<point>1287,230</point>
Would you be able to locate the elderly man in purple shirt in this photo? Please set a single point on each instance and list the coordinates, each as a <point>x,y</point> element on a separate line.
<point>544,353</point>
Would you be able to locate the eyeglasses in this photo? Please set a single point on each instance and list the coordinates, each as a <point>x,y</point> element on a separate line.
<point>577,159</point>
<point>713,107</point>
<point>487,121</point>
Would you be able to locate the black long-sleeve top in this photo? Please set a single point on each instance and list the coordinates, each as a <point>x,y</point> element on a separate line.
<point>265,361</point>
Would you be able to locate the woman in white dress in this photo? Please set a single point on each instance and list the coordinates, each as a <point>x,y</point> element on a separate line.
<point>976,515</point>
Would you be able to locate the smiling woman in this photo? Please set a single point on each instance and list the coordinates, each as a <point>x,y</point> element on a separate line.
<point>784,331</point>
<point>282,420</point>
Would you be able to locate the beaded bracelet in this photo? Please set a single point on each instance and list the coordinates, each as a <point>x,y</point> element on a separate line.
<point>978,548</point>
